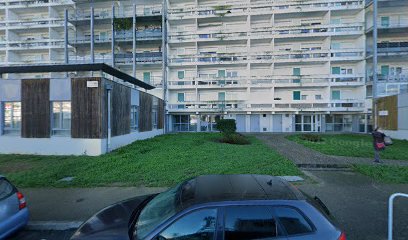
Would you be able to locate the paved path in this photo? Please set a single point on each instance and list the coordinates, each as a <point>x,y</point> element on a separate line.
<point>359,204</point>
<point>309,158</point>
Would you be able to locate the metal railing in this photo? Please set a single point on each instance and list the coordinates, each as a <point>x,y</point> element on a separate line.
<point>391,212</point>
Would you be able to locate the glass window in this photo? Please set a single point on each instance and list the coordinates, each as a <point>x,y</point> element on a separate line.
<point>318,97</point>
<point>336,95</point>
<point>221,96</point>
<point>385,21</point>
<point>385,70</point>
<point>293,222</point>
<point>180,97</point>
<point>304,97</point>
<point>6,189</point>
<point>296,95</point>
<point>199,225</point>
<point>335,70</point>
<point>180,74</point>
<point>249,222</point>
<point>221,73</point>
<point>296,71</point>
<point>61,118</point>
<point>12,118</point>
<point>146,77</point>
<point>134,117</point>
<point>154,118</point>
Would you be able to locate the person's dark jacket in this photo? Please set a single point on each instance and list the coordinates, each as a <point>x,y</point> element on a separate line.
<point>378,137</point>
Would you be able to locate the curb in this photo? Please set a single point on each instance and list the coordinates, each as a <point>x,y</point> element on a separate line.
<point>53,225</point>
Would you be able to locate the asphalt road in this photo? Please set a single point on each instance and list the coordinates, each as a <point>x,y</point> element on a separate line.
<point>43,235</point>
<point>359,204</point>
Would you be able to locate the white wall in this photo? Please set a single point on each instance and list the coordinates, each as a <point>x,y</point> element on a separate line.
<point>400,134</point>
<point>120,141</point>
<point>50,146</point>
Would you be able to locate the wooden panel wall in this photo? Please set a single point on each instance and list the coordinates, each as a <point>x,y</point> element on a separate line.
<point>389,104</point>
<point>35,108</point>
<point>145,116</point>
<point>121,101</point>
<point>160,115</point>
<point>88,111</point>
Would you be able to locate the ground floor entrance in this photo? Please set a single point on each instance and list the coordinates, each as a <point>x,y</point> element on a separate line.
<point>282,122</point>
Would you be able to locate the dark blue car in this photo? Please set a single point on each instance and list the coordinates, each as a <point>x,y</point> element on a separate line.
<point>13,209</point>
<point>216,207</point>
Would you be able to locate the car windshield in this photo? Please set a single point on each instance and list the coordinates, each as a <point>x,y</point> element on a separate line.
<point>159,209</point>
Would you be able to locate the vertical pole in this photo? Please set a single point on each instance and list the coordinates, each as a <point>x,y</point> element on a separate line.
<point>113,35</point>
<point>134,40</point>
<point>164,63</point>
<point>92,36</point>
<point>108,141</point>
<point>375,60</point>
<point>66,57</point>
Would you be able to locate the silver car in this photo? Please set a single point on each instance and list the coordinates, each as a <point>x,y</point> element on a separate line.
<point>13,209</point>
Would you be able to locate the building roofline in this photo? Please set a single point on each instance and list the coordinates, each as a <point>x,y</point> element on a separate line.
<point>76,68</point>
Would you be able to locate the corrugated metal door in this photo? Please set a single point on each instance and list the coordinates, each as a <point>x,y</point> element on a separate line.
<point>277,123</point>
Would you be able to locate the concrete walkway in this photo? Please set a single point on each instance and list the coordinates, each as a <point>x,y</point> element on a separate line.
<point>309,158</point>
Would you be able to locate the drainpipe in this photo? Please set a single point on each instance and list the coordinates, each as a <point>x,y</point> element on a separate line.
<point>113,35</point>
<point>109,133</point>
<point>66,56</point>
<point>375,61</point>
<point>134,40</point>
<point>92,36</point>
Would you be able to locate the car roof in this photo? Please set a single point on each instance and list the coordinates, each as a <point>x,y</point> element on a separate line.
<point>218,188</point>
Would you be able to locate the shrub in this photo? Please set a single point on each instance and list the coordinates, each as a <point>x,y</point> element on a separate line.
<point>226,126</point>
<point>311,137</point>
<point>235,138</point>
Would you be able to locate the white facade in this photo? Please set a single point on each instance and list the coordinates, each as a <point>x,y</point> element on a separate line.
<point>272,65</point>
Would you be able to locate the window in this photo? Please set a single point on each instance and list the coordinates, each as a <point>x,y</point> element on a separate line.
<point>249,222</point>
<point>146,77</point>
<point>221,73</point>
<point>221,96</point>
<point>385,21</point>
<point>292,221</point>
<point>304,97</point>
<point>336,95</point>
<point>180,74</point>
<point>296,71</point>
<point>335,70</point>
<point>61,118</point>
<point>198,225</point>
<point>154,118</point>
<point>335,46</point>
<point>385,70</point>
<point>180,97</point>
<point>6,189</point>
<point>318,97</point>
<point>296,95</point>
<point>134,117</point>
<point>12,118</point>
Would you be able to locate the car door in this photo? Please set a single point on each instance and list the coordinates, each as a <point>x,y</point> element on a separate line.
<point>8,200</point>
<point>199,224</point>
<point>251,222</point>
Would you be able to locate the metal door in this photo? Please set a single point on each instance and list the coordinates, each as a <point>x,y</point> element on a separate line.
<point>255,123</point>
<point>241,123</point>
<point>277,123</point>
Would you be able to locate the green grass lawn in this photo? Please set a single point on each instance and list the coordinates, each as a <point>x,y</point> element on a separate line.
<point>354,145</point>
<point>161,161</point>
<point>385,174</point>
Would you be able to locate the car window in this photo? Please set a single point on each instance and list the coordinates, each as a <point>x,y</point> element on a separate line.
<point>6,189</point>
<point>293,222</point>
<point>198,225</point>
<point>249,222</point>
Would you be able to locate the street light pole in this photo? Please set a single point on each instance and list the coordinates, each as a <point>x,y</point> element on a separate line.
<point>375,61</point>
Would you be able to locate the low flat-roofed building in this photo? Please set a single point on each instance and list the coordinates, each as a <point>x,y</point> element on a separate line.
<point>82,109</point>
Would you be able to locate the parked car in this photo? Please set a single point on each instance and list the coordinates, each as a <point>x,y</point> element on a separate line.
<point>13,209</point>
<point>216,207</point>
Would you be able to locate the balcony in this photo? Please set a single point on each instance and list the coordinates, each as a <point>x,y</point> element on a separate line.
<point>37,3</point>
<point>141,35</point>
<point>301,106</point>
<point>396,78</point>
<point>210,83</point>
<point>141,58</point>
<point>45,44</point>
<point>392,49</point>
<point>34,23</point>
<point>262,7</point>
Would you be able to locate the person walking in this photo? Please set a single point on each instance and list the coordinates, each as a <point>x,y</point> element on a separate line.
<point>379,144</point>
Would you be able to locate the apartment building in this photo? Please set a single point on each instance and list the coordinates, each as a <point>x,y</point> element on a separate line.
<point>273,65</point>
<point>392,47</point>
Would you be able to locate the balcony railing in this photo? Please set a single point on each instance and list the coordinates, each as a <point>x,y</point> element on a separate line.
<point>393,48</point>
<point>391,78</point>
<point>35,23</point>
<point>148,57</point>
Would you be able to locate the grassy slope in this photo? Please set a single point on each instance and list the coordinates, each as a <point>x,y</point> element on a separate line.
<point>161,161</point>
<point>354,145</point>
